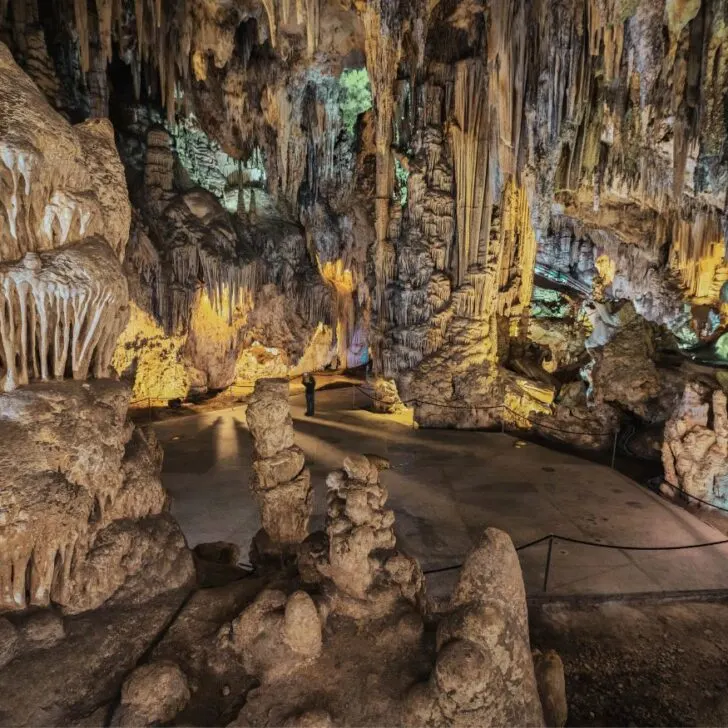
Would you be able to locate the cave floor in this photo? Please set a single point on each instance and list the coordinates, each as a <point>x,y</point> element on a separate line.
<point>445,487</point>
<point>636,664</point>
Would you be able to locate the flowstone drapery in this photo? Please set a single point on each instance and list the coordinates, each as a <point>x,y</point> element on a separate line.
<point>83,513</point>
<point>61,313</point>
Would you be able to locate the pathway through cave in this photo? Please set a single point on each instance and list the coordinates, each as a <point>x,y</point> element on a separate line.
<point>445,487</point>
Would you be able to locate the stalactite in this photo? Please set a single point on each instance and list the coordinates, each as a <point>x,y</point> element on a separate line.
<point>59,309</point>
<point>697,249</point>
<point>104,11</point>
<point>382,43</point>
<point>470,159</point>
<point>82,30</point>
<point>518,257</point>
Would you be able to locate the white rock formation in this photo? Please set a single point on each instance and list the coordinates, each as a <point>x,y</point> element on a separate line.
<point>58,184</point>
<point>695,446</point>
<point>60,314</point>
<point>365,576</point>
<point>82,517</point>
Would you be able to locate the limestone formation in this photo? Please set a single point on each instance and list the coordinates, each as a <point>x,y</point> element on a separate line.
<point>276,634</point>
<point>624,370</point>
<point>549,671</point>
<point>83,509</point>
<point>280,483</point>
<point>511,213</point>
<point>61,184</point>
<point>8,642</point>
<point>484,674</point>
<point>695,447</point>
<point>367,577</point>
<point>383,396</point>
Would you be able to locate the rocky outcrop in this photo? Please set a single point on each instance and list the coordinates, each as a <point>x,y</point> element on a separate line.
<point>383,395</point>
<point>275,635</point>
<point>483,674</point>
<point>152,694</point>
<point>281,484</point>
<point>59,184</point>
<point>624,371</point>
<point>84,519</point>
<point>695,446</point>
<point>84,510</point>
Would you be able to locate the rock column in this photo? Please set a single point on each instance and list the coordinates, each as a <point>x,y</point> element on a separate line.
<point>280,483</point>
<point>367,578</point>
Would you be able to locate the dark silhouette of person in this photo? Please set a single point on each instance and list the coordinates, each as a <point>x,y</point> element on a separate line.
<point>310,383</point>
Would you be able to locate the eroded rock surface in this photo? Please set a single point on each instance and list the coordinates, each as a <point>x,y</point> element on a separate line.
<point>84,509</point>
<point>484,671</point>
<point>153,693</point>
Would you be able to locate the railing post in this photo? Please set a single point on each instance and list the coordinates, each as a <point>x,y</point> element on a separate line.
<point>548,565</point>
<point>614,448</point>
<point>414,408</point>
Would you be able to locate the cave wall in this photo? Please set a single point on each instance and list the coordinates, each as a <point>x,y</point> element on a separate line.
<point>407,175</point>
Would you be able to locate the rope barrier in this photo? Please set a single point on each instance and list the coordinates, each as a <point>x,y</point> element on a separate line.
<point>694,497</point>
<point>555,537</point>
<point>557,429</point>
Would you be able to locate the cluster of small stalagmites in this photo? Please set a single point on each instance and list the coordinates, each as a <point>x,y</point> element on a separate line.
<point>695,445</point>
<point>364,576</point>
<point>484,671</point>
<point>280,482</point>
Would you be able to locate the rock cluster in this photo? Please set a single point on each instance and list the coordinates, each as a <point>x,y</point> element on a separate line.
<point>280,482</point>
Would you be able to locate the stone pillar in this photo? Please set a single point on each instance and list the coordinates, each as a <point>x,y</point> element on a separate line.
<point>280,483</point>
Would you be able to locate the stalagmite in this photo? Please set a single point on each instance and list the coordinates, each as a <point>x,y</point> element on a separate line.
<point>281,483</point>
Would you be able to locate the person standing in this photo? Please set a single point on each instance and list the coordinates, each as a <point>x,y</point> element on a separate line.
<point>310,383</point>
